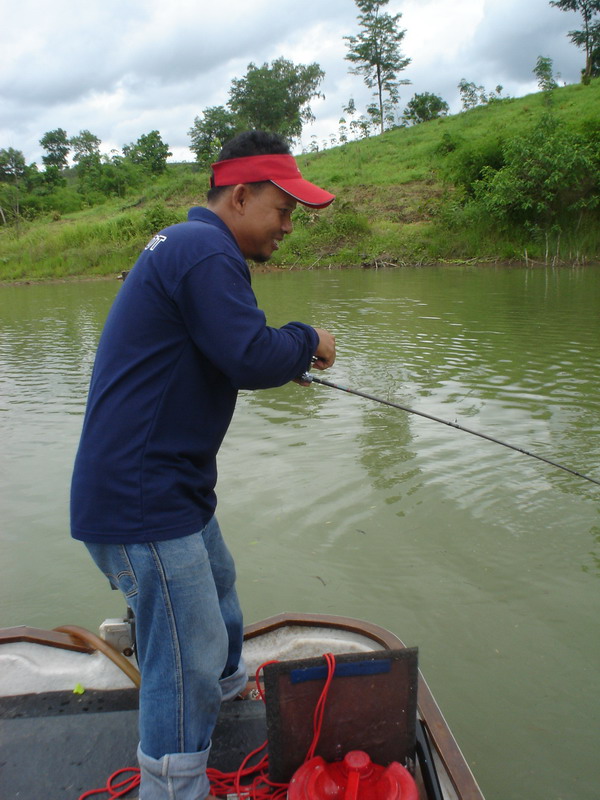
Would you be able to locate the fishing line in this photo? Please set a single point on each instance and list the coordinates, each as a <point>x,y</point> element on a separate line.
<point>309,378</point>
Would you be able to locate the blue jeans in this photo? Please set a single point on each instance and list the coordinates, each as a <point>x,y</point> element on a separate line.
<point>189,635</point>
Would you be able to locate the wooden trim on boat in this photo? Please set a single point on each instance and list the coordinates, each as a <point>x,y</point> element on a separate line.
<point>437,728</point>
<point>63,641</point>
<point>445,744</point>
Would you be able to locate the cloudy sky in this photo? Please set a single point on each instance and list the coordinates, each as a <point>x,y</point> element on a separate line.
<point>121,68</point>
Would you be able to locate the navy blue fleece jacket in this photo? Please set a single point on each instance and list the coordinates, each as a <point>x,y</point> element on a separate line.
<point>183,335</point>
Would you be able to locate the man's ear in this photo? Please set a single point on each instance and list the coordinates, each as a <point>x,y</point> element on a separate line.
<point>239,197</point>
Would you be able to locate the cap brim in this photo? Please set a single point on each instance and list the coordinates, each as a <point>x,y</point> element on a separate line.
<point>304,192</point>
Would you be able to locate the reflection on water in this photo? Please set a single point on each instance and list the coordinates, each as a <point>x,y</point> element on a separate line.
<point>486,559</point>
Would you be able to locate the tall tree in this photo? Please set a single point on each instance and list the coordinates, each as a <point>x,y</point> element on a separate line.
<point>588,38</point>
<point>276,97</point>
<point>150,151</point>
<point>376,52</point>
<point>56,145</point>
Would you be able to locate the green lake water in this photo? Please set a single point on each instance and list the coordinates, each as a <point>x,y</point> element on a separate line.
<point>487,560</point>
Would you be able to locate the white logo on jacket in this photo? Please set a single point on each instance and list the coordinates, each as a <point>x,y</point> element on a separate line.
<point>155,241</point>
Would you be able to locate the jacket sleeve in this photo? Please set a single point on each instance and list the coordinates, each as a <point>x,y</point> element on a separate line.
<point>220,311</point>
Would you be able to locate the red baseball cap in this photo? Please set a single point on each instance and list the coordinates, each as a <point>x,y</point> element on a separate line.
<point>280,169</point>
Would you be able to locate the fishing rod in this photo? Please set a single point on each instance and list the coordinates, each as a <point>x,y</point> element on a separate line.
<point>308,377</point>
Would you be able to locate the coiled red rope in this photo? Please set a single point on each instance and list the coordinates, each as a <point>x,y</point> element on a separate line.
<point>250,781</point>
<point>114,789</point>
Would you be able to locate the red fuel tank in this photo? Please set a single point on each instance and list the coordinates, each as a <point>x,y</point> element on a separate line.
<point>354,778</point>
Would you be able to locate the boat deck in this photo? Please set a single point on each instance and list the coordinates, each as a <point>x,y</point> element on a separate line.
<point>68,744</point>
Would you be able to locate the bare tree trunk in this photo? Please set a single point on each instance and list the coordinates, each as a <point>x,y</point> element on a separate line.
<point>380,96</point>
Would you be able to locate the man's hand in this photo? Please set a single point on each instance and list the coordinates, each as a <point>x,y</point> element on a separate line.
<point>325,352</point>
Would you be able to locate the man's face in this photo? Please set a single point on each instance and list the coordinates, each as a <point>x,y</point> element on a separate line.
<point>266,220</point>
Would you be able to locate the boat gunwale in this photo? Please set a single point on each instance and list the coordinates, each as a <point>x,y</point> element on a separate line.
<point>53,638</point>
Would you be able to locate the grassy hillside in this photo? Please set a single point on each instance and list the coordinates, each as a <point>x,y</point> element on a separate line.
<point>403,197</point>
<point>406,183</point>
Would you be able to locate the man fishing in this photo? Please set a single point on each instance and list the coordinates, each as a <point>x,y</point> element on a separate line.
<point>182,337</point>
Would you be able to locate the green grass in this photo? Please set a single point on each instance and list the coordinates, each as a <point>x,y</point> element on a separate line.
<point>397,202</point>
